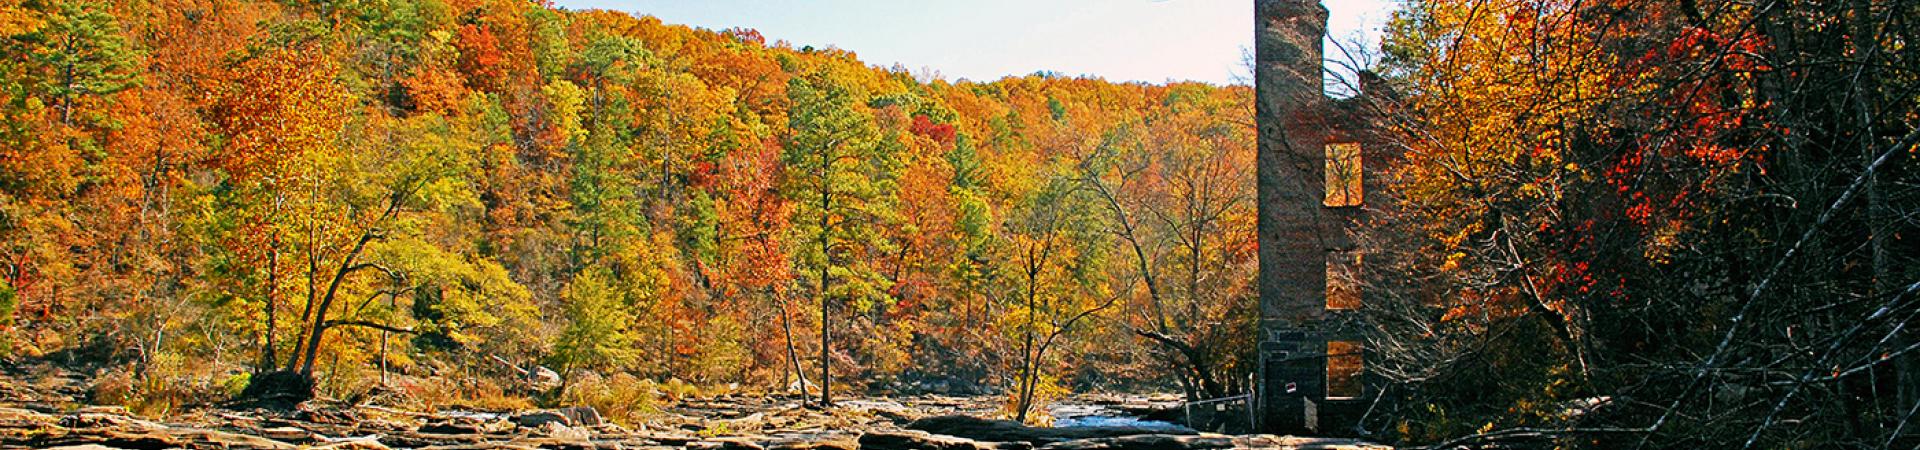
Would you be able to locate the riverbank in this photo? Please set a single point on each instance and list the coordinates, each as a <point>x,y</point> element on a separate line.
<point>373,427</point>
<point>50,410</point>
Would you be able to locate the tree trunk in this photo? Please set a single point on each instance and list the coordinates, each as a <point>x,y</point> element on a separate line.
<point>268,357</point>
<point>313,286</point>
<point>1866,40</point>
<point>826,364</point>
<point>826,262</point>
<point>318,325</point>
<point>793,355</point>
<point>1024,401</point>
<point>392,303</point>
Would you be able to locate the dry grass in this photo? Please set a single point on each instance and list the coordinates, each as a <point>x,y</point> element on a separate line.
<point>621,398</point>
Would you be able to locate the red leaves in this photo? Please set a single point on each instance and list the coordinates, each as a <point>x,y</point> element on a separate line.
<point>1700,45</point>
<point>702,175</point>
<point>941,133</point>
<point>746,35</point>
<point>1697,132</point>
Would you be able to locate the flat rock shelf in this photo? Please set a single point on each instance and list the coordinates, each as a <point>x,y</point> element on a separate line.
<point>930,422</point>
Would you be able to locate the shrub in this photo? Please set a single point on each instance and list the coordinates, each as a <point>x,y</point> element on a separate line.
<point>236,383</point>
<point>677,389</point>
<point>621,398</point>
<point>170,382</point>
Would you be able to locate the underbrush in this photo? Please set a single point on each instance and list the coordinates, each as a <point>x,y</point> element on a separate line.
<point>477,394</point>
<point>621,398</point>
<point>165,385</point>
<point>169,384</point>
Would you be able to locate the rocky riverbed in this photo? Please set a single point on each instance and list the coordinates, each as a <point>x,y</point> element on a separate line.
<point>50,414</point>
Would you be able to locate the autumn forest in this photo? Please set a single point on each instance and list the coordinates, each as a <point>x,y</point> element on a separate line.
<point>1673,224</point>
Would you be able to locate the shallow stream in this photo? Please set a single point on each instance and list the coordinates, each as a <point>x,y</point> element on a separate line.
<point>1088,415</point>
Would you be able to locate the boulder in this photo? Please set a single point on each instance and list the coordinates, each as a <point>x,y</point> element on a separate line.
<point>453,427</point>
<point>537,419</point>
<point>124,432</point>
<point>1147,442</point>
<point>198,438</point>
<point>25,416</point>
<point>547,443</point>
<point>921,440</point>
<point>1010,431</point>
<point>576,416</point>
<point>675,439</point>
<point>352,444</point>
<point>414,439</point>
<point>87,420</point>
<point>1212,442</point>
<point>289,434</point>
<point>104,409</point>
<point>19,426</point>
<point>543,378</point>
<point>831,443</point>
<point>557,431</point>
<point>725,444</point>
<point>582,416</point>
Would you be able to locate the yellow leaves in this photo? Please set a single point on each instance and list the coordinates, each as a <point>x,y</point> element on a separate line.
<point>282,107</point>
<point>566,100</point>
<point>1666,237</point>
<point>16,20</point>
<point>1503,86</point>
<point>1343,175</point>
<point>1452,261</point>
<point>1512,73</point>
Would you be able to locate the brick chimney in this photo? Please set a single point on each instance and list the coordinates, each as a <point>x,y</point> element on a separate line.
<point>1291,112</point>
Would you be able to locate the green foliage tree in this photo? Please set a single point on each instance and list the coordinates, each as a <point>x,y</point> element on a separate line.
<point>598,331</point>
<point>1057,280</point>
<point>840,175</point>
<point>9,302</point>
<point>82,53</point>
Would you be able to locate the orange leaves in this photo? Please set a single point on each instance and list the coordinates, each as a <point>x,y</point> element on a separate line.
<point>1699,127</point>
<point>1564,144</point>
<point>1736,52</point>
<point>754,211</point>
<point>480,57</point>
<point>745,35</point>
<point>435,89</point>
<point>1475,309</point>
<point>496,48</point>
<point>280,105</point>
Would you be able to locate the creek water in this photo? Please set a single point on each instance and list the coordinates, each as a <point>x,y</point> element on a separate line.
<point>1087,415</point>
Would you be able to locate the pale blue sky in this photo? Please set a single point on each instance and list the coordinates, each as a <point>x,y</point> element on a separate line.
<point>1121,40</point>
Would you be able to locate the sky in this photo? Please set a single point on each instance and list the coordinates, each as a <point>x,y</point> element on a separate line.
<point>1152,41</point>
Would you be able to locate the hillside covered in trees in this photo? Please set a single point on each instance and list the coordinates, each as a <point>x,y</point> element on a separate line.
<point>199,192</point>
